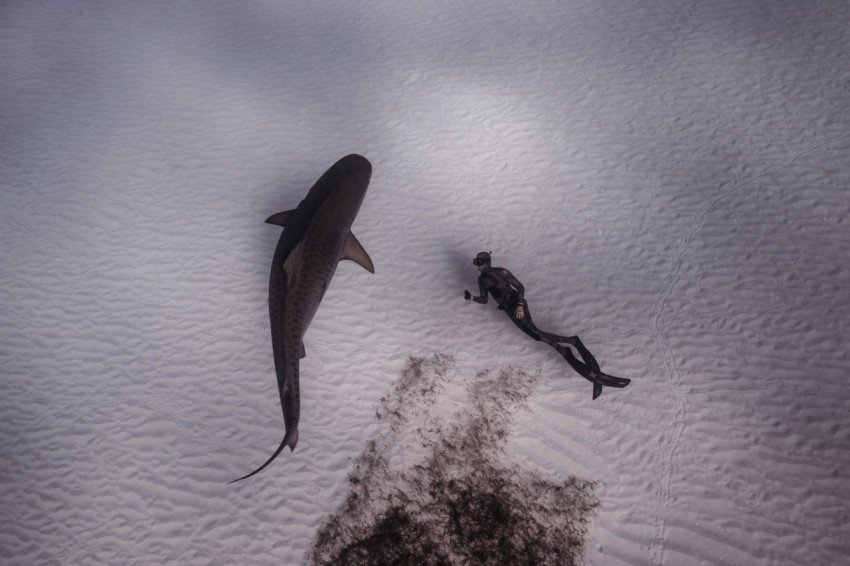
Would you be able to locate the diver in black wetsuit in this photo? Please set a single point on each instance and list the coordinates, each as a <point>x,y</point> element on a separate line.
<point>509,293</point>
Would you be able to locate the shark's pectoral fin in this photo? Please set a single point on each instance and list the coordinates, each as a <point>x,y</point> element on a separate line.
<point>302,352</point>
<point>280,218</point>
<point>355,252</point>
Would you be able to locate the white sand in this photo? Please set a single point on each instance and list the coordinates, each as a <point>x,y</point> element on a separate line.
<point>670,181</point>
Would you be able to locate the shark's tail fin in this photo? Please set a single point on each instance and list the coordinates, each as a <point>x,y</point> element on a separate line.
<point>289,439</point>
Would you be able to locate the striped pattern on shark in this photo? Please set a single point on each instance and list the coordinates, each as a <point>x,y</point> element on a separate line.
<point>316,237</point>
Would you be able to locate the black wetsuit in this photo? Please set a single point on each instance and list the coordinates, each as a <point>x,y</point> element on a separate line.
<point>509,293</point>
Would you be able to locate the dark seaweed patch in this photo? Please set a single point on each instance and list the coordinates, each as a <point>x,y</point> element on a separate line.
<point>459,501</point>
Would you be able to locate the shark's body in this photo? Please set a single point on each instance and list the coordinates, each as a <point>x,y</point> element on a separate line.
<point>317,235</point>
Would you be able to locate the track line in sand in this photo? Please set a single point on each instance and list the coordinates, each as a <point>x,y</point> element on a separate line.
<point>671,442</point>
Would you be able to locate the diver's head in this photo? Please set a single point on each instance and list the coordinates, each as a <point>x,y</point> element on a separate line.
<point>482,260</point>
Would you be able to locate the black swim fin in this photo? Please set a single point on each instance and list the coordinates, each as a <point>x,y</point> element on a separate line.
<point>597,390</point>
<point>608,380</point>
<point>600,379</point>
<point>590,373</point>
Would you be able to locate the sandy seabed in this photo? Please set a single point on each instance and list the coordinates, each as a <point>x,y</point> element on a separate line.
<point>669,181</point>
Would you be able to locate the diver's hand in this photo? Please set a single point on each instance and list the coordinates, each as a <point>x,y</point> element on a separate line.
<point>520,313</point>
<point>467,295</point>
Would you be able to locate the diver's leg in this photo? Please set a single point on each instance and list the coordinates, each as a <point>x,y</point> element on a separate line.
<point>525,323</point>
<point>589,373</point>
<point>568,355</point>
<point>589,369</point>
<point>575,341</point>
<point>602,378</point>
<point>528,327</point>
<point>584,353</point>
<point>559,338</point>
<point>582,370</point>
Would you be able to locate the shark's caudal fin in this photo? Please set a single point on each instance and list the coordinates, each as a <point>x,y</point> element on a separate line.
<point>289,439</point>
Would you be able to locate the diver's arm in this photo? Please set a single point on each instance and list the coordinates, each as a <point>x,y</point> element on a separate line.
<point>482,288</point>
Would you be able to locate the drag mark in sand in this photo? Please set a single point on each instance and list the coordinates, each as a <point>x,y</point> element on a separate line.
<point>671,441</point>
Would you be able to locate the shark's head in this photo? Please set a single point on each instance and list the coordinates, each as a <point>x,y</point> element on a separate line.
<point>348,180</point>
<point>482,261</point>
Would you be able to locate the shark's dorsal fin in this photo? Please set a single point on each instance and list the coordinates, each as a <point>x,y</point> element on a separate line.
<point>355,252</point>
<point>280,218</point>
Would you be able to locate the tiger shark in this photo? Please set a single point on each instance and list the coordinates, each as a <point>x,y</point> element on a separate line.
<point>316,237</point>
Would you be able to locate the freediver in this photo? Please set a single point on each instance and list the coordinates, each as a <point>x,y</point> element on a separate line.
<point>509,293</point>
